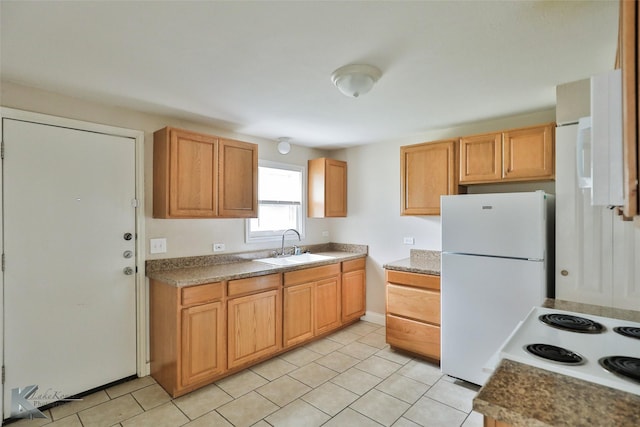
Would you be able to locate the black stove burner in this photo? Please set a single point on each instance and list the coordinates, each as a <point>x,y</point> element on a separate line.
<point>628,331</point>
<point>623,366</point>
<point>555,354</point>
<point>571,323</point>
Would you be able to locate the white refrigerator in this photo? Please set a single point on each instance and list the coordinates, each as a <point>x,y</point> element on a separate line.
<point>496,256</point>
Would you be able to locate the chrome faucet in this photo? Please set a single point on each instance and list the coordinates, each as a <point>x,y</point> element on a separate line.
<point>285,232</point>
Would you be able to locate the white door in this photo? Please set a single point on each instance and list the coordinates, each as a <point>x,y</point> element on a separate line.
<point>69,307</point>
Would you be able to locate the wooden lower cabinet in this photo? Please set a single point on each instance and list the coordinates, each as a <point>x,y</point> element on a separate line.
<point>354,289</point>
<point>202,342</point>
<point>298,314</point>
<point>413,312</point>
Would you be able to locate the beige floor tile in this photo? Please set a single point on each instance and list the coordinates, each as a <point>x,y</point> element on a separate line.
<point>111,412</point>
<point>261,423</point>
<point>129,386</point>
<point>403,388</point>
<point>300,356</point>
<point>358,350</point>
<point>201,401</point>
<point>429,413</point>
<point>330,398</point>
<point>210,419</point>
<point>421,371</point>
<point>343,337</point>
<point>382,330</point>
<point>323,346</point>
<point>297,413</point>
<point>362,328</point>
<point>151,396</point>
<point>374,340</point>
<point>337,361</point>
<point>356,381</point>
<point>247,410</point>
<point>380,407</point>
<point>474,419</point>
<point>166,415</point>
<point>35,422</point>
<point>70,421</point>
<point>241,383</point>
<point>349,417</point>
<point>403,422</point>
<point>313,374</point>
<point>274,368</point>
<point>378,366</point>
<point>283,391</point>
<point>394,355</point>
<point>63,411</point>
<point>451,394</point>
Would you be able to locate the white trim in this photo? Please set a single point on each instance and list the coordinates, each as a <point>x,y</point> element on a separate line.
<point>142,364</point>
<point>373,317</point>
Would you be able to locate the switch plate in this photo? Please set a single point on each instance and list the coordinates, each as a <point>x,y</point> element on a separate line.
<point>218,247</point>
<point>157,246</point>
<point>409,241</point>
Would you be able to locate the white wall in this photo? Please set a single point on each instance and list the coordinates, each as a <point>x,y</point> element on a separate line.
<point>374,200</point>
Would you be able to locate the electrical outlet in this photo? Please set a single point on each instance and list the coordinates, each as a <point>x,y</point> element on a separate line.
<point>218,247</point>
<point>157,246</point>
<point>325,234</point>
<point>409,241</point>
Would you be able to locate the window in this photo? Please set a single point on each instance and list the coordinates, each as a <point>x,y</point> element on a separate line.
<point>280,202</point>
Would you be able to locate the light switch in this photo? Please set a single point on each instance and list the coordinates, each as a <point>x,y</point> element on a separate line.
<point>157,246</point>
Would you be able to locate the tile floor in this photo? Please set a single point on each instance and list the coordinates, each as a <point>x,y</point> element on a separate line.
<point>350,378</point>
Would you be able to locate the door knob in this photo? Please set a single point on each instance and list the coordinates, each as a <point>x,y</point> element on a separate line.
<point>127,254</point>
<point>128,271</point>
<point>564,272</point>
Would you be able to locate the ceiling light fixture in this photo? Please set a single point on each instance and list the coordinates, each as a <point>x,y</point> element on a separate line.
<point>283,146</point>
<point>356,79</point>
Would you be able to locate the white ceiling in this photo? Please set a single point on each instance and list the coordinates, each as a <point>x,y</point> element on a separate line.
<point>263,67</point>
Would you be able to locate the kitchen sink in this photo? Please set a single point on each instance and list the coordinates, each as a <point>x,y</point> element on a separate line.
<point>295,259</point>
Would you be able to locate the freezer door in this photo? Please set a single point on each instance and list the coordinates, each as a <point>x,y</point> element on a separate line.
<point>483,299</point>
<point>504,225</point>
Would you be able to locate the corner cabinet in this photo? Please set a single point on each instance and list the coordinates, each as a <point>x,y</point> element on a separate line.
<point>327,188</point>
<point>413,312</point>
<point>428,171</point>
<point>203,176</point>
<point>524,154</point>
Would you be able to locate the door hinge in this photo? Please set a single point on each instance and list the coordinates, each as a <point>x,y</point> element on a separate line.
<point>2,262</point>
<point>134,203</point>
<point>3,375</point>
<point>2,149</point>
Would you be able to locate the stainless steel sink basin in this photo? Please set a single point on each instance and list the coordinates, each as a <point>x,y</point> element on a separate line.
<point>295,259</point>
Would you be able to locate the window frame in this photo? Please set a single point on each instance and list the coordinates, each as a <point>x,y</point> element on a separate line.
<point>276,235</point>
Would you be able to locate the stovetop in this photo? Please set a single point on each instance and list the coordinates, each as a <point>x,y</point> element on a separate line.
<point>591,347</point>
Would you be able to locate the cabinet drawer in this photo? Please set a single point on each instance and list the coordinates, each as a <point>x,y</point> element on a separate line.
<point>415,303</point>
<point>355,264</point>
<point>254,284</point>
<point>201,293</point>
<point>413,336</point>
<point>311,274</point>
<point>426,281</point>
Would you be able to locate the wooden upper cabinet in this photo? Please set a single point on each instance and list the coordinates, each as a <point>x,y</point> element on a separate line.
<point>327,188</point>
<point>428,171</point>
<point>202,176</point>
<point>528,153</point>
<point>481,158</point>
<point>524,154</point>
<point>238,195</point>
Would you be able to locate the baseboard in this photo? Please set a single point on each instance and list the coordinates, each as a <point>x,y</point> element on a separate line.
<point>374,317</point>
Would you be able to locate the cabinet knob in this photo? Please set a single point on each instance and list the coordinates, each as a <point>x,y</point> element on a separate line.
<point>564,272</point>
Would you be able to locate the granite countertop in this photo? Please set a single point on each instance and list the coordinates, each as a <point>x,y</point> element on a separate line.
<point>523,395</point>
<point>191,271</point>
<point>419,261</point>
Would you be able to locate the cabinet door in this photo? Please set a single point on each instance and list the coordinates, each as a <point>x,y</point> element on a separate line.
<point>414,303</point>
<point>254,327</point>
<point>185,174</point>
<point>481,158</point>
<point>327,305</point>
<point>336,188</point>
<point>528,153</point>
<point>428,171</point>
<point>203,349</point>
<point>238,195</point>
<point>298,313</point>
<point>353,295</point>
